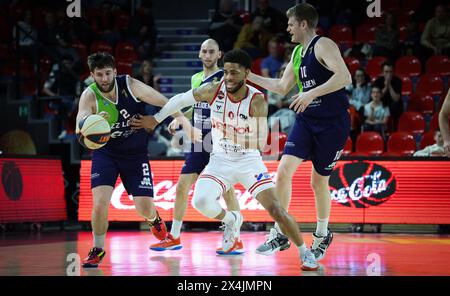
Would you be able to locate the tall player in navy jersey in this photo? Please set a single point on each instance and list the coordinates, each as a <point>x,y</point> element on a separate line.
<point>198,157</point>
<point>119,99</point>
<point>322,124</point>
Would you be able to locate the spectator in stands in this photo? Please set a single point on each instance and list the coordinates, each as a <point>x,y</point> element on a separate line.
<point>253,38</point>
<point>143,30</point>
<point>386,38</point>
<point>436,36</point>
<point>27,35</point>
<point>50,33</point>
<point>274,20</point>
<point>376,113</point>
<point>225,25</point>
<point>146,75</point>
<point>276,101</point>
<point>391,87</point>
<point>436,149</point>
<point>272,63</point>
<point>103,23</point>
<point>411,44</point>
<point>63,80</point>
<point>360,90</point>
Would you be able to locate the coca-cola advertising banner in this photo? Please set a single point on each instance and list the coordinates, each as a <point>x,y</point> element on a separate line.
<point>31,190</point>
<point>412,192</point>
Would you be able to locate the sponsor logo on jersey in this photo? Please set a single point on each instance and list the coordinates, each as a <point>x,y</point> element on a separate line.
<point>231,115</point>
<point>220,95</point>
<point>226,126</point>
<point>242,116</point>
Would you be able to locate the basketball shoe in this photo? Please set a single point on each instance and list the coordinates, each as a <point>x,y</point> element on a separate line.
<point>231,233</point>
<point>168,243</point>
<point>158,227</point>
<point>94,258</point>
<point>309,261</point>
<point>320,245</point>
<point>275,242</point>
<point>237,249</point>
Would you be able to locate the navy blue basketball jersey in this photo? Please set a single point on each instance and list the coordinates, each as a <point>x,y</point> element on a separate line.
<point>313,74</point>
<point>124,141</point>
<point>202,113</point>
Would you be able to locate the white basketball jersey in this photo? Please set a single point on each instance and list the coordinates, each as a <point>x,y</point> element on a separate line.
<point>231,116</point>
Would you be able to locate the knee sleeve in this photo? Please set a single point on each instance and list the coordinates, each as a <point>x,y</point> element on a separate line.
<point>206,197</point>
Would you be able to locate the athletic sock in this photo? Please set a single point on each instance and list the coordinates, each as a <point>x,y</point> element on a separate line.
<point>322,227</point>
<point>176,228</point>
<point>99,240</point>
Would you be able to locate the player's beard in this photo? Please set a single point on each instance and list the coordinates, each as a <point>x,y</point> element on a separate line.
<point>107,90</point>
<point>235,89</point>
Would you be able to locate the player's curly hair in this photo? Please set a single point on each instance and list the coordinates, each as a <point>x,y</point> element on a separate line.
<point>238,56</point>
<point>100,60</point>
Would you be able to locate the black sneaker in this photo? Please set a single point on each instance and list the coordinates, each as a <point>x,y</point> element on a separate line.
<point>275,242</point>
<point>320,245</point>
<point>94,258</point>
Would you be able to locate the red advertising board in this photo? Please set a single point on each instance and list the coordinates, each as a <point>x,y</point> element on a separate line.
<point>32,190</point>
<point>411,192</point>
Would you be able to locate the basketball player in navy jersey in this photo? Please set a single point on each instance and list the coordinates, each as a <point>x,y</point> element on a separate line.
<point>322,124</point>
<point>198,157</point>
<point>119,99</point>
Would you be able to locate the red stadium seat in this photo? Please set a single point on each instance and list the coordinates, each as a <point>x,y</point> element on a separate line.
<point>125,52</point>
<point>124,68</point>
<point>366,33</point>
<point>256,66</point>
<point>342,35</point>
<point>373,67</point>
<point>320,31</point>
<point>81,50</point>
<point>403,17</point>
<point>403,33</point>
<point>348,147</point>
<point>421,103</point>
<point>439,65</point>
<point>45,65</point>
<point>99,46</point>
<point>122,20</point>
<point>401,144</point>
<point>369,144</point>
<point>407,86</point>
<point>430,84</point>
<point>434,123</point>
<point>411,122</point>
<point>245,16</point>
<point>427,139</point>
<point>353,64</point>
<point>408,65</point>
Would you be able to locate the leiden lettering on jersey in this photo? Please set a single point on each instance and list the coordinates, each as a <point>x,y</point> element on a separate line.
<point>312,74</point>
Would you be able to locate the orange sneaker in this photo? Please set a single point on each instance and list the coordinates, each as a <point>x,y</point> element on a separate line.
<point>158,228</point>
<point>237,249</point>
<point>168,243</point>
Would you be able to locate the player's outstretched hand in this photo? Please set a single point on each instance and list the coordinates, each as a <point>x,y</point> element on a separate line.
<point>173,126</point>
<point>144,121</point>
<point>194,134</point>
<point>301,102</point>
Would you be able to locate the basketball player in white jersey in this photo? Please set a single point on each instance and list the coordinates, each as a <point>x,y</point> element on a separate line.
<point>239,129</point>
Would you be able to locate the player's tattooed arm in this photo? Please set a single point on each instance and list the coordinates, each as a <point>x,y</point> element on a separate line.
<point>206,92</point>
<point>86,107</point>
<point>148,94</point>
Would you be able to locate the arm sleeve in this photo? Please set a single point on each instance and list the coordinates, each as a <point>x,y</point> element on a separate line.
<point>175,104</point>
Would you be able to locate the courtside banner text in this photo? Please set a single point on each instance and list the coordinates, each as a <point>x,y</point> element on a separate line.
<point>412,192</point>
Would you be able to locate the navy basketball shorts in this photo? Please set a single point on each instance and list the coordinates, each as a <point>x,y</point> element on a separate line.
<point>135,173</point>
<point>195,162</point>
<point>321,140</point>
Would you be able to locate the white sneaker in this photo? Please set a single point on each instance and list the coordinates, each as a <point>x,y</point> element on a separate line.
<point>230,233</point>
<point>309,261</point>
